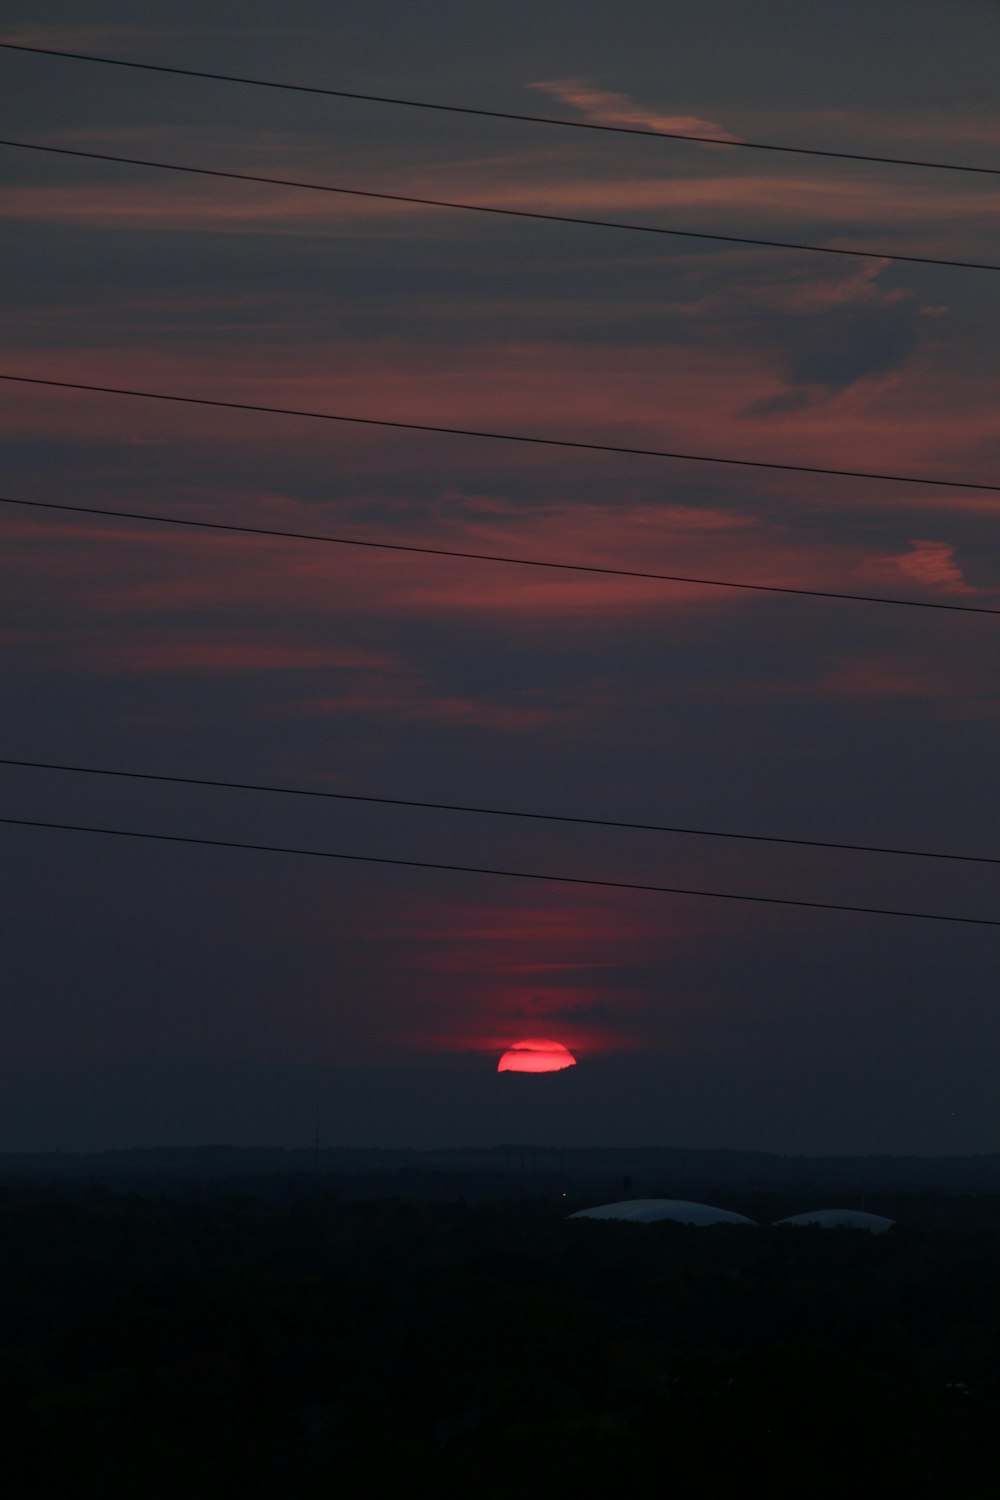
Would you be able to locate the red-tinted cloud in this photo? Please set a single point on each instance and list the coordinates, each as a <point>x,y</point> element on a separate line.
<point>898,674</point>
<point>929,564</point>
<point>691,398</point>
<point>411,701</point>
<point>592,972</point>
<point>221,657</point>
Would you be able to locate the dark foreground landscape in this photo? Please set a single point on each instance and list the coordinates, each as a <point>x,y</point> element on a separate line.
<point>307,1342</point>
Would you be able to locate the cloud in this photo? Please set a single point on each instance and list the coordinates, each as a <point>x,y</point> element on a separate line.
<point>606,108</point>
<point>708,542</point>
<point>841,345</point>
<point>178,207</point>
<point>882,675</point>
<point>105,38</point>
<point>870,127</point>
<point>591,968</point>
<point>802,289</point>
<point>671,395</point>
<point>831,330</point>
<point>840,208</point>
<point>930,564</point>
<point>170,586</point>
<point>226,657</point>
<point>413,702</point>
<point>963,690</point>
<point>87,38</point>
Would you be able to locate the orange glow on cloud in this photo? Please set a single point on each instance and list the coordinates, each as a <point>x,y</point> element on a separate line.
<point>536,1056</point>
<point>616,109</point>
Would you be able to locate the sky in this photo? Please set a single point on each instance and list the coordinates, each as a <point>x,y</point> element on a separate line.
<point>166,994</point>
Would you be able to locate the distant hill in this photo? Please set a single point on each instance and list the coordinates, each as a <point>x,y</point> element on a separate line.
<point>507,1170</point>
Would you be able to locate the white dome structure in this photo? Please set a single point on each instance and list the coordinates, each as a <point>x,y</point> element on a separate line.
<point>840,1218</point>
<point>655,1210</point>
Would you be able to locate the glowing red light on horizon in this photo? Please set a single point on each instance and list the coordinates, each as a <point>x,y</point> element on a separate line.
<point>535,1056</point>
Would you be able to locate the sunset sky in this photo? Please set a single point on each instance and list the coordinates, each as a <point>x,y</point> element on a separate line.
<point>158,994</point>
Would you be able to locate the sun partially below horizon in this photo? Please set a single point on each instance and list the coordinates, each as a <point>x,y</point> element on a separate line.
<point>536,1056</point>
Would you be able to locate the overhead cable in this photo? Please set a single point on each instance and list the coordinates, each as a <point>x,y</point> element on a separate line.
<point>495,557</point>
<point>509,213</point>
<point>493,812</point>
<point>575,880</point>
<point>504,114</point>
<point>501,437</point>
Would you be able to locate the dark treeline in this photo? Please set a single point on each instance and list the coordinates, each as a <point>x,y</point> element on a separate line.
<point>191,1346</point>
<point>514,1170</point>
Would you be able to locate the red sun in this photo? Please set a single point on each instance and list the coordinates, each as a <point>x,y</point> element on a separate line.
<point>535,1056</point>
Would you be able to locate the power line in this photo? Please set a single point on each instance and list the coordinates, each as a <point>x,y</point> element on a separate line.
<point>496,812</point>
<point>423,864</point>
<point>504,114</point>
<point>509,213</point>
<point>494,557</point>
<point>502,437</point>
